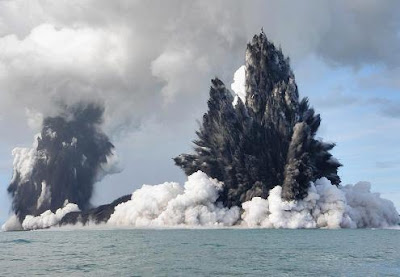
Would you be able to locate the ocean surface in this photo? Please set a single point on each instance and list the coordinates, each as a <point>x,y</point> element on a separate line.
<point>201,252</point>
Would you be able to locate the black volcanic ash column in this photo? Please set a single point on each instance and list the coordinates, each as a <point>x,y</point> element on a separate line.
<point>267,141</point>
<point>70,154</point>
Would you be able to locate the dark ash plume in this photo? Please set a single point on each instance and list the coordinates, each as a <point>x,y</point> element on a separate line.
<point>70,154</point>
<point>267,141</point>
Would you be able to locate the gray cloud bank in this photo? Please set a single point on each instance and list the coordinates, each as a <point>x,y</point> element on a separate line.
<point>151,57</point>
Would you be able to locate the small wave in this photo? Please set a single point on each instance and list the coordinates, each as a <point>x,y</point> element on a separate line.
<point>21,241</point>
<point>17,241</point>
<point>213,244</point>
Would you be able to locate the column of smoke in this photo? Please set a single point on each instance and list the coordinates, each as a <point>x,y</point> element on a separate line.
<point>69,155</point>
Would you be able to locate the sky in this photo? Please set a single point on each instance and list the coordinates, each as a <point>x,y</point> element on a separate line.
<point>150,64</point>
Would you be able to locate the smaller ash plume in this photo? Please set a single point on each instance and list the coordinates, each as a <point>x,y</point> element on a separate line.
<point>69,155</point>
<point>266,141</point>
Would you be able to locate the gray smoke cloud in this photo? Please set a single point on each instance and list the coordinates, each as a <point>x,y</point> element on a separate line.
<point>101,49</point>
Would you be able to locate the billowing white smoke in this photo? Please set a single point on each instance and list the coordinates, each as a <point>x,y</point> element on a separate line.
<point>45,220</point>
<point>45,195</point>
<point>170,204</point>
<point>24,161</point>
<point>194,205</point>
<point>326,206</point>
<point>111,166</point>
<point>48,219</point>
<point>368,209</point>
<point>238,85</point>
<point>12,224</point>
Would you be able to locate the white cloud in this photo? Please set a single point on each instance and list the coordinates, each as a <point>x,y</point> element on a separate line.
<point>170,204</point>
<point>179,70</point>
<point>58,64</point>
<point>48,218</point>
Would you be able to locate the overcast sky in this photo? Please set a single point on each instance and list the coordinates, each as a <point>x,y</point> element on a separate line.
<point>150,63</point>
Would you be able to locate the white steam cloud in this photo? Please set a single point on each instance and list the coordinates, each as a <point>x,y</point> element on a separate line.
<point>24,160</point>
<point>170,204</point>
<point>45,220</point>
<point>239,85</point>
<point>195,205</point>
<point>48,219</point>
<point>45,195</point>
<point>326,206</point>
<point>12,224</point>
<point>112,165</point>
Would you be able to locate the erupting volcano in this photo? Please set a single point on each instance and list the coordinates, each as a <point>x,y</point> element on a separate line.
<point>267,140</point>
<point>257,162</point>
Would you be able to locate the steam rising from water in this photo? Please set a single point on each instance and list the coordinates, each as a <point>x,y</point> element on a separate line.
<point>194,205</point>
<point>326,206</point>
<point>170,204</point>
<point>48,219</point>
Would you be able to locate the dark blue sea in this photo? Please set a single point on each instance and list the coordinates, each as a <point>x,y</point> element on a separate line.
<point>200,252</point>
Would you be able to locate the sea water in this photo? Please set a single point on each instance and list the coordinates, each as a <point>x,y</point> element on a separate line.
<point>201,252</point>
